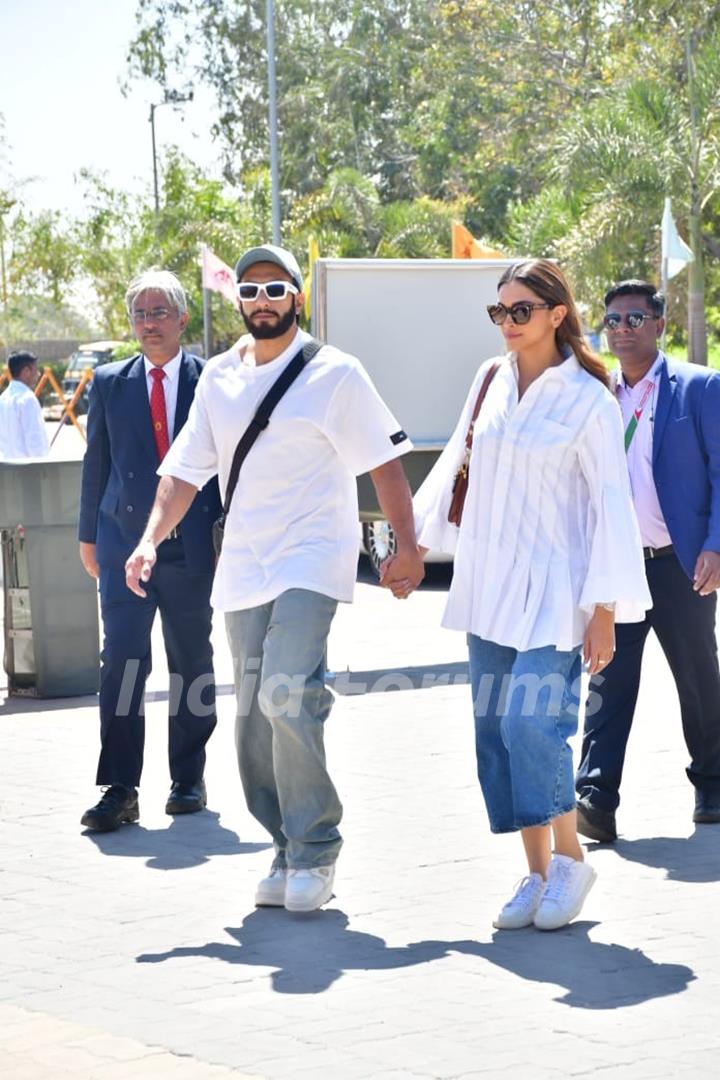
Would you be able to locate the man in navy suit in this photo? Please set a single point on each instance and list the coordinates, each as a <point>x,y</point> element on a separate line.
<point>137,407</point>
<point>671,412</point>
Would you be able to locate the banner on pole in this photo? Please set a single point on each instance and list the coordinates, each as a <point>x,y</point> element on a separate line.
<point>218,277</point>
<point>313,256</point>
<point>465,246</point>
<point>675,252</point>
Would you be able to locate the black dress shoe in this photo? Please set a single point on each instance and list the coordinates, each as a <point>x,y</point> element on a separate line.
<point>707,809</point>
<point>117,806</point>
<point>186,798</point>
<point>594,823</point>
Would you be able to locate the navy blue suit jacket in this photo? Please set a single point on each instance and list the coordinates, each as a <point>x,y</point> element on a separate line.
<point>119,477</point>
<point>686,458</point>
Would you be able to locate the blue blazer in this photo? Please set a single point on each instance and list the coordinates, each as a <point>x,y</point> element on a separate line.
<point>119,476</point>
<point>686,458</point>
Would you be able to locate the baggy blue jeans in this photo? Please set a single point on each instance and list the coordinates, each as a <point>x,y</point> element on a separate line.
<point>279,652</point>
<point>526,708</point>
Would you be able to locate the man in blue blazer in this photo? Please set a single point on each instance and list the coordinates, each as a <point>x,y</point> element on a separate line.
<point>137,407</point>
<point>671,412</point>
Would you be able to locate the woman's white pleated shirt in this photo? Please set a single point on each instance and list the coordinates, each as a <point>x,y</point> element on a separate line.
<point>548,527</point>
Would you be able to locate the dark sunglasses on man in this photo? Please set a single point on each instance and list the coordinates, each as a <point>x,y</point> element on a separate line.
<point>520,313</point>
<point>613,320</point>
<point>274,290</point>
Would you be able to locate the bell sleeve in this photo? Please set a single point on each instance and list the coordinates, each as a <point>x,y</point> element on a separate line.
<point>616,567</point>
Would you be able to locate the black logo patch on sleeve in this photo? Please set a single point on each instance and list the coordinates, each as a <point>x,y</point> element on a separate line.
<point>398,437</point>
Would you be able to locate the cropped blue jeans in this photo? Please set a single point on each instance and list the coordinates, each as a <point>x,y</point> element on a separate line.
<point>526,708</point>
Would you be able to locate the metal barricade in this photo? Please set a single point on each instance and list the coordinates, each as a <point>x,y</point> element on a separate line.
<point>51,636</point>
<point>19,652</point>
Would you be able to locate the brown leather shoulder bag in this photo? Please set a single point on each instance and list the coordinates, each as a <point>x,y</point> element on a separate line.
<point>462,476</point>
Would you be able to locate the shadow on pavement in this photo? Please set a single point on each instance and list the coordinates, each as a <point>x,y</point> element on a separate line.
<point>595,975</point>
<point>188,841</point>
<point>17,705</point>
<point>311,952</point>
<point>695,858</point>
<point>308,952</point>
<point>389,680</point>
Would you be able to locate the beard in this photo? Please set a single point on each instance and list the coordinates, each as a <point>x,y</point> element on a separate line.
<point>268,330</point>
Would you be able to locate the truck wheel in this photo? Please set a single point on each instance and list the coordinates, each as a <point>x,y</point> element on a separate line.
<point>379,541</point>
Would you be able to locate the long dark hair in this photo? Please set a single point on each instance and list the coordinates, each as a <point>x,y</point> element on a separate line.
<point>547,281</point>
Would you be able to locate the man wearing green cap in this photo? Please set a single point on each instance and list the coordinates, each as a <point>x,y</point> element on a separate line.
<point>289,553</point>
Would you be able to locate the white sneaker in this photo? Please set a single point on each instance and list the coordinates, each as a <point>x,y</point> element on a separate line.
<point>521,907</point>
<point>309,889</point>
<point>271,890</point>
<point>569,882</point>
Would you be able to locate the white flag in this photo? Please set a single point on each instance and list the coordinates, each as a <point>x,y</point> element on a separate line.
<point>217,276</point>
<point>674,248</point>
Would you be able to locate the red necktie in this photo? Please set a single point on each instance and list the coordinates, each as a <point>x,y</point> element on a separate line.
<point>158,415</point>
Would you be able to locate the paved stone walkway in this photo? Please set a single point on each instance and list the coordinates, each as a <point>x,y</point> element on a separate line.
<point>139,954</point>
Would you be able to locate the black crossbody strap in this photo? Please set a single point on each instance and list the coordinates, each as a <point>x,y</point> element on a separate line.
<point>264,410</point>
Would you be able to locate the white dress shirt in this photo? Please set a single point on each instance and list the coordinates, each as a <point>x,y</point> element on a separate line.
<point>548,528</point>
<point>169,384</point>
<point>653,530</point>
<point>293,521</point>
<point>22,428</point>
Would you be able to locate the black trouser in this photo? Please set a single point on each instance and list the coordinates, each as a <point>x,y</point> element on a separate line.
<point>684,623</point>
<point>183,600</point>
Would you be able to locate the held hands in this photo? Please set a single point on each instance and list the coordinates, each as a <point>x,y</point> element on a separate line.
<point>403,572</point>
<point>599,641</point>
<point>707,573</point>
<point>139,567</point>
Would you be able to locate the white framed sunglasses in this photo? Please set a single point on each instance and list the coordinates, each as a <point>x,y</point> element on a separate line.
<point>274,290</point>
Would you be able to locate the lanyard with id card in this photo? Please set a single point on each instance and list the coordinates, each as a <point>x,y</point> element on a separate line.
<point>637,413</point>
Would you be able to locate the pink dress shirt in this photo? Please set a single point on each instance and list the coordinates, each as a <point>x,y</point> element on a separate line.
<point>653,529</point>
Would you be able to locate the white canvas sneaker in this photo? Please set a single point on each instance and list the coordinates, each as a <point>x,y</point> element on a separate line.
<point>307,890</point>
<point>521,907</point>
<point>569,881</point>
<point>271,890</point>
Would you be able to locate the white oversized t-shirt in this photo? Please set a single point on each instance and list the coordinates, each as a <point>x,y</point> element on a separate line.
<point>293,520</point>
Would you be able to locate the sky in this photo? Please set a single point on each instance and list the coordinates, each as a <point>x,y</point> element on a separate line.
<point>60,69</point>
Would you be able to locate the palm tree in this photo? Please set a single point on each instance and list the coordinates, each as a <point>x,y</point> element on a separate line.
<point>623,155</point>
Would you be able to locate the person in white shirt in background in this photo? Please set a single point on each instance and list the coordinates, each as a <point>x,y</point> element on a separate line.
<point>547,546</point>
<point>22,428</point>
<point>289,553</point>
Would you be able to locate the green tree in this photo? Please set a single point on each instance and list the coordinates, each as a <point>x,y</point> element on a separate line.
<point>346,73</point>
<point>121,236</point>
<point>503,79</point>
<point>7,202</point>
<point>343,215</point>
<point>44,256</point>
<point>622,155</point>
<point>114,244</point>
<point>31,317</point>
<point>38,266</point>
<point>349,220</point>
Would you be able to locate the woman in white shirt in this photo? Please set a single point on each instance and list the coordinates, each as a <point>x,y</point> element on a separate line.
<point>547,547</point>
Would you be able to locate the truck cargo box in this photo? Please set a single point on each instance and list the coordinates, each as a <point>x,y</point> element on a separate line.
<point>421,329</point>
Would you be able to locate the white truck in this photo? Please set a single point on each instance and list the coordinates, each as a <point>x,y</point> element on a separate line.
<point>421,329</point>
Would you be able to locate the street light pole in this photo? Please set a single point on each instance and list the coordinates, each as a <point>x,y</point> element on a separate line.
<point>172,97</point>
<point>154,160</point>
<point>272,98</point>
